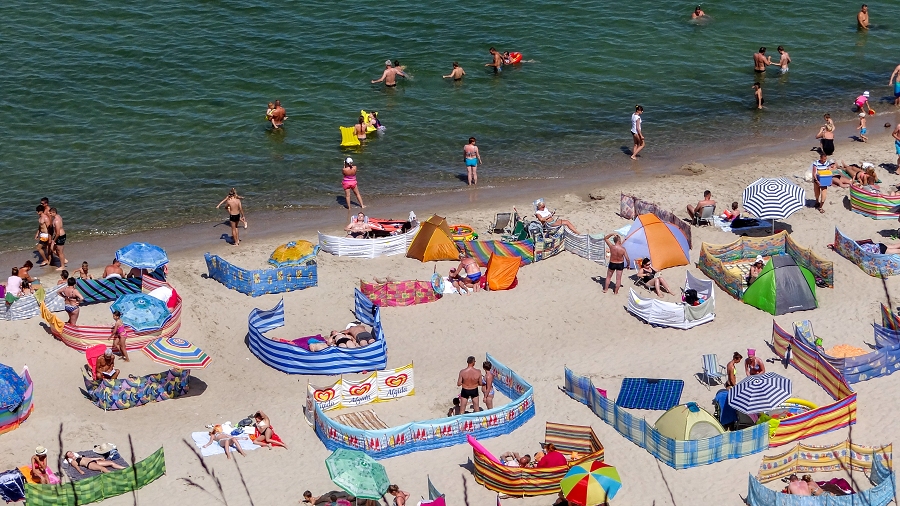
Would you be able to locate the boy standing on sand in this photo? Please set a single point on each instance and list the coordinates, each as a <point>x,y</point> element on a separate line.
<point>235,214</point>
<point>862,127</point>
<point>58,238</point>
<point>472,158</point>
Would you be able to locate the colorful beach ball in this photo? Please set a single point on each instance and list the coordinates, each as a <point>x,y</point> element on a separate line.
<point>176,352</point>
<point>590,483</point>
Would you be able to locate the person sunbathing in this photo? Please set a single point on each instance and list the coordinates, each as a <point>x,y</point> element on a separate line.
<point>513,459</point>
<point>319,345</point>
<point>342,340</point>
<point>648,275</point>
<point>755,269</point>
<point>359,226</point>
<point>547,218</point>
<point>39,466</point>
<point>91,463</point>
<point>864,174</point>
<point>226,441</point>
<point>359,333</point>
<point>814,488</point>
<point>265,434</point>
<point>797,487</point>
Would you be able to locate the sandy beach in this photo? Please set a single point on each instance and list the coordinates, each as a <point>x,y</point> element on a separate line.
<point>557,317</point>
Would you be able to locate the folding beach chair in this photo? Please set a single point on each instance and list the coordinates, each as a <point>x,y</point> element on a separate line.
<point>711,369</point>
<point>519,233</point>
<point>503,223</point>
<point>706,215</point>
<point>91,355</point>
<point>638,281</point>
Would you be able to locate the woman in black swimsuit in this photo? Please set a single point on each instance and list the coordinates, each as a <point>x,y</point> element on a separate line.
<point>647,274</point>
<point>342,340</point>
<point>92,463</point>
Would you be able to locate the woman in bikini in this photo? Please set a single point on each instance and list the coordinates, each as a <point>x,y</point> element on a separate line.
<point>360,129</point>
<point>39,466</point>
<point>118,335</point>
<point>72,298</point>
<point>647,274</point>
<point>91,463</point>
<point>400,496</point>
<point>342,340</point>
<point>487,384</point>
<point>349,182</point>
<point>226,441</point>
<point>264,432</point>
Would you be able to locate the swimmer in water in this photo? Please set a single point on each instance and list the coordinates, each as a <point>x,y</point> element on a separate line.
<point>497,61</point>
<point>757,93</point>
<point>785,59</point>
<point>698,13</point>
<point>457,73</point>
<point>760,61</point>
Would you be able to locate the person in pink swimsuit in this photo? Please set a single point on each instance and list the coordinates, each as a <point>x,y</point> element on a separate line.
<point>349,182</point>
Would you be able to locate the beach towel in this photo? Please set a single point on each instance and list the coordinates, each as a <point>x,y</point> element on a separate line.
<point>201,438</point>
<point>303,342</point>
<point>726,226</point>
<point>74,475</point>
<point>364,420</point>
<point>648,393</point>
<point>26,472</point>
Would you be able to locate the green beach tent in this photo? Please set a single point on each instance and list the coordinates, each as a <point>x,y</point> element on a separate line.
<point>782,287</point>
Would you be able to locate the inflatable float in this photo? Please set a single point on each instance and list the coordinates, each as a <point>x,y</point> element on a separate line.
<point>348,134</point>
<point>463,233</point>
<point>514,58</point>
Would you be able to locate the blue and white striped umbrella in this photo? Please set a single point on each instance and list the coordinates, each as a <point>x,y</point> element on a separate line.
<point>773,198</point>
<point>755,394</point>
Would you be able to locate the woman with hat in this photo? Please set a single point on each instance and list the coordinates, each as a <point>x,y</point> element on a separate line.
<point>753,365</point>
<point>349,182</point>
<point>755,269</point>
<point>39,466</point>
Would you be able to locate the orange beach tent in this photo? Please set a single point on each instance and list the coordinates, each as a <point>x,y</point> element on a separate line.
<point>433,242</point>
<point>663,243</point>
<point>501,272</point>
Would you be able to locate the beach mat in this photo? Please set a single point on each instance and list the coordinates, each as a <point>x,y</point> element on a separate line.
<point>201,438</point>
<point>364,420</point>
<point>76,476</point>
<point>647,393</point>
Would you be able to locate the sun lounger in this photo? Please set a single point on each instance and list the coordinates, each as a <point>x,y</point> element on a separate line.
<point>504,223</point>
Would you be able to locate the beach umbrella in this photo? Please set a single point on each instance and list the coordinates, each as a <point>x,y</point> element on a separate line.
<point>12,388</point>
<point>773,198</point>
<point>142,256</point>
<point>177,352</point>
<point>590,483</point>
<point>292,253</point>
<point>755,394</point>
<point>142,312</point>
<point>357,474</point>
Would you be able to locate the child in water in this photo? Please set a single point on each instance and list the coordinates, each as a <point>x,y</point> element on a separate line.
<point>270,111</point>
<point>862,127</point>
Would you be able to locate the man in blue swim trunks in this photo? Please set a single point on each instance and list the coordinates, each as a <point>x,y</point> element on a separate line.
<point>895,80</point>
<point>472,158</point>
<point>466,275</point>
<point>497,62</point>
<point>896,136</point>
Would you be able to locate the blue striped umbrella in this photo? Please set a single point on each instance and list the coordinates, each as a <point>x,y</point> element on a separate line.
<point>142,312</point>
<point>142,256</point>
<point>755,394</point>
<point>773,198</point>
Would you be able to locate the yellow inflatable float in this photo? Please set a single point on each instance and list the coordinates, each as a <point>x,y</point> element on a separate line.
<point>348,134</point>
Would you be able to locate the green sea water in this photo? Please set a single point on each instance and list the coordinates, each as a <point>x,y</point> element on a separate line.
<point>133,116</point>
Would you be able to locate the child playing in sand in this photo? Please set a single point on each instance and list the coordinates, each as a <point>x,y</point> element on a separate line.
<point>862,127</point>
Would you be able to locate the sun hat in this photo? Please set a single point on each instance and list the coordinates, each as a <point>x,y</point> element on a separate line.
<point>759,258</point>
<point>103,448</point>
<point>865,93</point>
<point>40,450</point>
<point>867,165</point>
<point>107,352</point>
<point>751,352</point>
<point>348,160</point>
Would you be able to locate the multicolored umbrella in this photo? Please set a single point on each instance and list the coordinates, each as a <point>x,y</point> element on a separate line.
<point>755,394</point>
<point>177,352</point>
<point>590,483</point>
<point>142,256</point>
<point>142,312</point>
<point>293,253</point>
<point>357,474</point>
<point>12,388</point>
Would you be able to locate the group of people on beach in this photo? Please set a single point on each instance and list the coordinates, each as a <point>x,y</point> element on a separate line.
<point>474,387</point>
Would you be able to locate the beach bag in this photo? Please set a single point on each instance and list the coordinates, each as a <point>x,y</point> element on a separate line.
<point>690,296</point>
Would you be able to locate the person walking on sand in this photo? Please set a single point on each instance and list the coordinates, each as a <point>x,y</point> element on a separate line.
<point>895,80</point>
<point>469,380</point>
<point>457,73</point>
<point>784,61</point>
<point>472,158</point>
<point>58,238</point>
<point>862,18</point>
<point>757,93</point>
<point>389,76</point>
<point>761,61</point>
<point>862,127</point>
<point>349,182</point>
<point>826,136</point>
<point>618,260</point>
<point>822,175</point>
<point>235,214</point>
<point>636,133</point>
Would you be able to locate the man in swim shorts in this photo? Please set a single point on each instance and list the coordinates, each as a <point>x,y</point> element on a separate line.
<point>469,380</point>
<point>760,60</point>
<point>618,260</point>
<point>895,80</point>
<point>389,76</point>
<point>784,60</point>
<point>466,275</point>
<point>862,19</point>
<point>457,73</point>
<point>278,115</point>
<point>58,237</point>
<point>43,235</point>
<point>349,182</point>
<point>497,61</point>
<point>472,158</point>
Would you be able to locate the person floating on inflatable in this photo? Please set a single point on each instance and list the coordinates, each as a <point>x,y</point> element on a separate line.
<point>512,58</point>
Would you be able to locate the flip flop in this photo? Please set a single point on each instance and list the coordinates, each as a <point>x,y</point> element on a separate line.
<point>821,210</point>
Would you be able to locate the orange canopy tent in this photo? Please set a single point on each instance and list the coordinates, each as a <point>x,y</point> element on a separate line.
<point>433,242</point>
<point>501,272</point>
<point>663,243</point>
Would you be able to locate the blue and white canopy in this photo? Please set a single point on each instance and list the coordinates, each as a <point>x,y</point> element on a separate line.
<point>773,198</point>
<point>755,394</point>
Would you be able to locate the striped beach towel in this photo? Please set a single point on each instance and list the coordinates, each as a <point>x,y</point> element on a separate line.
<point>28,306</point>
<point>364,420</point>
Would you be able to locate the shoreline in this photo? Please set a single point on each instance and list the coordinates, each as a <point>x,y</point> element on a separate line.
<point>268,225</point>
